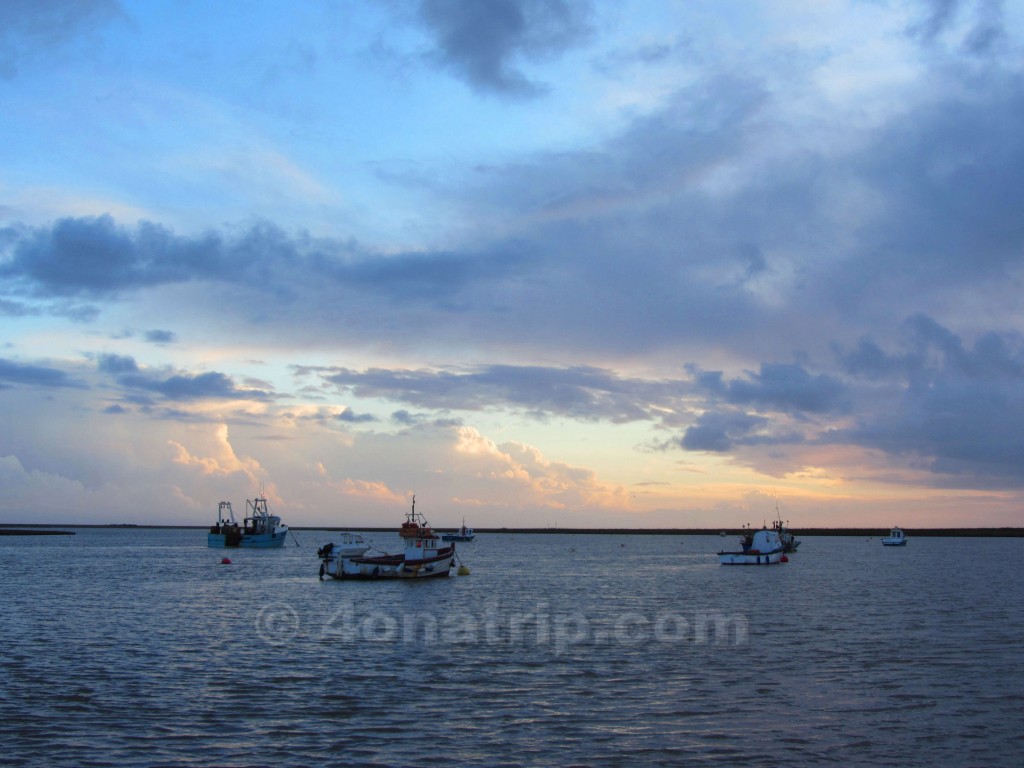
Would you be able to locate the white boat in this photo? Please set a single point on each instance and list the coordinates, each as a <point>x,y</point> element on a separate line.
<point>761,548</point>
<point>463,534</point>
<point>259,528</point>
<point>421,557</point>
<point>896,538</point>
<point>349,545</point>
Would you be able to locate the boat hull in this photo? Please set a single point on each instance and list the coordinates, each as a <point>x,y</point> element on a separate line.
<point>247,541</point>
<point>365,568</point>
<point>900,543</point>
<point>456,537</point>
<point>388,567</point>
<point>750,558</point>
<point>437,567</point>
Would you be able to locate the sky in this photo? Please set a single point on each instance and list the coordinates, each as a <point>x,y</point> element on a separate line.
<point>557,263</point>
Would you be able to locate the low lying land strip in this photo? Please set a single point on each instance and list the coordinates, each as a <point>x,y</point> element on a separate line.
<point>14,529</point>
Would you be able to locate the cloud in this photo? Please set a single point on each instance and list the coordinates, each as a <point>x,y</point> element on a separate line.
<point>485,43</point>
<point>579,393</point>
<point>738,239</point>
<point>788,388</point>
<point>13,373</point>
<point>157,336</point>
<point>33,30</point>
<point>977,34</point>
<point>523,471</point>
<point>116,364</point>
<point>93,256</point>
<point>349,416</point>
<point>718,431</point>
<point>957,408</point>
<point>182,387</point>
<point>222,459</point>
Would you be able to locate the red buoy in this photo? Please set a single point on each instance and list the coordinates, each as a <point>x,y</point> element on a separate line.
<point>225,561</point>
<point>785,559</point>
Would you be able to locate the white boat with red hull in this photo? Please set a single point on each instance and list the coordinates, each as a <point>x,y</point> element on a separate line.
<point>421,557</point>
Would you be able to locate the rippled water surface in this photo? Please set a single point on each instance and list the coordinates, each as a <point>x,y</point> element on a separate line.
<point>137,647</point>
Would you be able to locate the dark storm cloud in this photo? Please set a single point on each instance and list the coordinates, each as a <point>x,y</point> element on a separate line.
<point>18,374</point>
<point>582,393</point>
<point>718,431</point>
<point>212,385</point>
<point>929,350</point>
<point>92,256</point>
<point>116,364</point>
<point>141,383</point>
<point>788,388</point>
<point>985,18</point>
<point>716,414</point>
<point>484,43</point>
<point>32,29</point>
<point>952,185</point>
<point>622,249</point>
<point>157,336</point>
<point>16,309</point>
<point>432,276</point>
<point>404,418</point>
<point>351,417</point>
<point>937,17</point>
<point>953,408</point>
<point>746,410</point>
<point>958,407</point>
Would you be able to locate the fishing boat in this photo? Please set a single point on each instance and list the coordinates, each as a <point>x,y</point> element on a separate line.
<point>896,538</point>
<point>463,534</point>
<point>763,547</point>
<point>421,557</point>
<point>259,528</point>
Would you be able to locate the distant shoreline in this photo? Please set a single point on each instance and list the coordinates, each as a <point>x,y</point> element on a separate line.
<point>981,532</point>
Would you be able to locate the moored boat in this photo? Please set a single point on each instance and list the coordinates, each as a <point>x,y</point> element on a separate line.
<point>896,538</point>
<point>421,557</point>
<point>259,528</point>
<point>761,548</point>
<point>463,534</point>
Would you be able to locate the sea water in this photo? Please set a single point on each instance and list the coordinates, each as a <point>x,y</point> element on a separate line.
<point>127,647</point>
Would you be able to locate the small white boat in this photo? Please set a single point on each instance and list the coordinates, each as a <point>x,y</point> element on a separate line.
<point>420,559</point>
<point>761,548</point>
<point>896,538</point>
<point>349,545</point>
<point>463,534</point>
<point>259,528</point>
